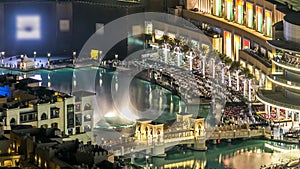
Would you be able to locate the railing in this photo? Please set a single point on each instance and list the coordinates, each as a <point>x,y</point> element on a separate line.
<point>263,98</point>
<point>243,133</point>
<point>286,64</point>
<point>266,62</point>
<point>281,80</point>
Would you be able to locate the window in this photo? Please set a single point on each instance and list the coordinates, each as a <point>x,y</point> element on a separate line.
<point>54,125</point>
<point>87,128</point>
<point>87,106</point>
<point>78,119</point>
<point>87,117</point>
<point>54,112</point>
<point>44,116</point>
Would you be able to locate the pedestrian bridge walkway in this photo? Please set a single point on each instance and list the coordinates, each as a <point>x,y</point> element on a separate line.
<point>152,139</point>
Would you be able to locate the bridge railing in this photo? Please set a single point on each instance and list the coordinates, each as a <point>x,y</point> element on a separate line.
<point>242,133</point>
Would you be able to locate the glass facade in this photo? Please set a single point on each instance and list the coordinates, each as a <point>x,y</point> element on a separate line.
<point>218,7</point>
<point>240,11</point>
<point>249,9</point>
<point>268,20</point>
<point>227,44</point>
<point>229,10</point>
<point>259,18</point>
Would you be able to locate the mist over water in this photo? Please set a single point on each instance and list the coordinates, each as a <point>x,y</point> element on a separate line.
<point>145,99</point>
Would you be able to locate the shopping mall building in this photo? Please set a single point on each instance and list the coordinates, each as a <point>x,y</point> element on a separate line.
<point>264,37</point>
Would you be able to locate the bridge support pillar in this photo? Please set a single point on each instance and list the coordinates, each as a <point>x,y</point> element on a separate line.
<point>158,150</point>
<point>214,141</point>
<point>132,159</point>
<point>200,145</point>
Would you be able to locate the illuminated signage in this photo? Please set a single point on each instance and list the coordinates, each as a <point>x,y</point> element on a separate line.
<point>246,44</point>
<point>227,43</point>
<point>148,27</point>
<point>158,34</point>
<point>259,18</point>
<point>195,43</point>
<point>218,7</point>
<point>268,19</point>
<point>28,27</point>
<point>229,9</point>
<point>171,35</point>
<point>240,11</point>
<point>249,9</point>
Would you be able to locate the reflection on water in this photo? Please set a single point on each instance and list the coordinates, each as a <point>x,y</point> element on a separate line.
<point>240,154</point>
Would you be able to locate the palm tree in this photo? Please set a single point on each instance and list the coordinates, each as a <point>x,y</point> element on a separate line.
<point>235,65</point>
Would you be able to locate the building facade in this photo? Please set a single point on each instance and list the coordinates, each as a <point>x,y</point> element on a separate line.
<point>242,28</point>
<point>281,96</point>
<point>31,104</point>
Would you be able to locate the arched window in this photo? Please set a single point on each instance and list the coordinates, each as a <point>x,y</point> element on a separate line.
<point>44,116</point>
<point>13,122</point>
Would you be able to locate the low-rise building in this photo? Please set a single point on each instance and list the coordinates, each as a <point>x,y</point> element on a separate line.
<point>31,104</point>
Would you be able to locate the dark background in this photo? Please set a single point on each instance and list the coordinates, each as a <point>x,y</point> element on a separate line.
<point>83,17</point>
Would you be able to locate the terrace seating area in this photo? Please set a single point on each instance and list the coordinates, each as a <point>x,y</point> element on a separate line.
<point>290,59</point>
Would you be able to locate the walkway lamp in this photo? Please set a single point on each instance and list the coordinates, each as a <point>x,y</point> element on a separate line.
<point>250,90</point>
<point>74,58</point>
<point>147,161</point>
<point>237,79</point>
<point>48,56</point>
<point>34,55</point>
<point>2,57</point>
<point>99,56</point>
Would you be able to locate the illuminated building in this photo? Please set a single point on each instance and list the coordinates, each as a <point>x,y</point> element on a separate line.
<point>281,95</point>
<point>243,26</point>
<point>45,148</point>
<point>31,104</point>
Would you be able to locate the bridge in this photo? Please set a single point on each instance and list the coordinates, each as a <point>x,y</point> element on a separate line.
<point>153,139</point>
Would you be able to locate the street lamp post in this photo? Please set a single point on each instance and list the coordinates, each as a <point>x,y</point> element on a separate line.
<point>34,55</point>
<point>178,53</point>
<point>2,57</point>
<point>250,92</point>
<point>99,57</point>
<point>166,50</point>
<point>214,67</point>
<point>48,63</point>
<point>245,82</point>
<point>147,161</point>
<point>191,60</point>
<point>74,58</point>
<point>237,80</point>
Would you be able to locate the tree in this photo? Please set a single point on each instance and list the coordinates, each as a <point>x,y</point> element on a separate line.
<point>235,65</point>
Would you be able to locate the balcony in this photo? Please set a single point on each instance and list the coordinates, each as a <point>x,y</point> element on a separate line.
<point>286,65</point>
<point>282,81</point>
<point>277,99</point>
<point>258,57</point>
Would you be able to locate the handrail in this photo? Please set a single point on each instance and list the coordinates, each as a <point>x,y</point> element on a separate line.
<point>282,80</point>
<point>278,103</point>
<point>265,62</point>
<point>280,61</point>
